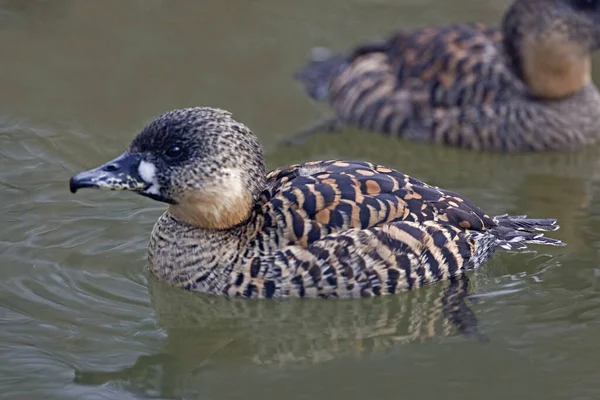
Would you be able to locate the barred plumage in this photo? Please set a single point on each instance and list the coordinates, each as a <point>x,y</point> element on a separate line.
<point>320,229</point>
<point>523,87</point>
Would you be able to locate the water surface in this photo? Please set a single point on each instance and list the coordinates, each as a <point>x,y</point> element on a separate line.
<point>80,318</point>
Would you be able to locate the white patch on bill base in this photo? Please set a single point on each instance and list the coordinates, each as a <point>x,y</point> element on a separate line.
<point>147,172</point>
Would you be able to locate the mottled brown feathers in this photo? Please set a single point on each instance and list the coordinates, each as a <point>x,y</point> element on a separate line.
<point>340,195</point>
<point>362,263</point>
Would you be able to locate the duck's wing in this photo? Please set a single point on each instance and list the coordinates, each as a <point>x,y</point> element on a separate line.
<point>306,202</point>
<point>385,259</point>
<point>415,80</point>
<point>397,257</point>
<point>415,235</point>
<point>457,64</point>
<point>450,64</point>
<point>420,70</point>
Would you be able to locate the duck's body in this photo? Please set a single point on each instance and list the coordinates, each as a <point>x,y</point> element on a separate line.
<point>320,229</point>
<point>337,229</point>
<point>525,86</point>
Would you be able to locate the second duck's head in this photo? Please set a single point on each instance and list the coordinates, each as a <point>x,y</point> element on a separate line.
<point>549,43</point>
<point>207,166</point>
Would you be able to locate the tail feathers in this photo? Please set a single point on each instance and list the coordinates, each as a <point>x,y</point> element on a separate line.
<point>522,223</point>
<point>325,65</point>
<point>320,70</point>
<point>520,240</point>
<point>516,232</point>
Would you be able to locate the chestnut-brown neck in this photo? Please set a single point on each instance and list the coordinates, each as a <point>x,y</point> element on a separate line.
<point>213,210</point>
<point>554,68</point>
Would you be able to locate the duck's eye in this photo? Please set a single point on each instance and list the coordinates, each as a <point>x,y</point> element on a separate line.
<point>174,152</point>
<point>586,4</point>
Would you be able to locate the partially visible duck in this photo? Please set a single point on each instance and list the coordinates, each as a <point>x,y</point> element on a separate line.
<point>523,87</point>
<point>319,229</point>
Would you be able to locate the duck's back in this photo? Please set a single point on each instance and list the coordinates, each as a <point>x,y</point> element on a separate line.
<point>306,202</point>
<point>452,65</point>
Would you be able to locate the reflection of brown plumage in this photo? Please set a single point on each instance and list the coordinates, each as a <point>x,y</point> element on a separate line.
<point>524,87</point>
<point>319,229</point>
<point>310,331</point>
<point>236,334</point>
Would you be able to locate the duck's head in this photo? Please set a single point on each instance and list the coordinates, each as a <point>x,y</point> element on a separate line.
<point>207,166</point>
<point>549,42</point>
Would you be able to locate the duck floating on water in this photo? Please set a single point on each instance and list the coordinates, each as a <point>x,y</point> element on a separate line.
<point>523,87</point>
<point>320,229</point>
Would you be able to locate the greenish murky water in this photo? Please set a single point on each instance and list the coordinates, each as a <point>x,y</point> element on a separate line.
<point>80,318</point>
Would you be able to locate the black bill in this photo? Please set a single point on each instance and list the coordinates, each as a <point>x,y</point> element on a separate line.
<point>122,173</point>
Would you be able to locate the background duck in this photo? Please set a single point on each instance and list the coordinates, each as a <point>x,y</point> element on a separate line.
<point>318,229</point>
<point>523,87</point>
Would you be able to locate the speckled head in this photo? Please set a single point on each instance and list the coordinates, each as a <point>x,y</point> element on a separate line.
<point>202,162</point>
<point>549,42</point>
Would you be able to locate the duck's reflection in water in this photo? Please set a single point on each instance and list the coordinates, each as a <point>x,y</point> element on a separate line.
<point>234,333</point>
